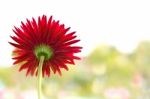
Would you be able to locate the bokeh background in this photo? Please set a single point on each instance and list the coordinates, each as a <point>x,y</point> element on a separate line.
<point>115,36</point>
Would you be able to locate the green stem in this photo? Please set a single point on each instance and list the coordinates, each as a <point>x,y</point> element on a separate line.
<point>40,76</point>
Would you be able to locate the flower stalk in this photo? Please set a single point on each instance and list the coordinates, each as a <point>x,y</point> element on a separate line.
<point>41,62</point>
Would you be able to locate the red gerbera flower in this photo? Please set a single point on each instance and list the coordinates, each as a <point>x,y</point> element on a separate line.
<point>46,38</point>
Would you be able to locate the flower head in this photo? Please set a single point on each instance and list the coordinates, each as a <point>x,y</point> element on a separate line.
<point>45,37</point>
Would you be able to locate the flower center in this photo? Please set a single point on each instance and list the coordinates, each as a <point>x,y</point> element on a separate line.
<point>43,50</point>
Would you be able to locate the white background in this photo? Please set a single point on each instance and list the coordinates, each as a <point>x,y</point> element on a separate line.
<point>121,23</point>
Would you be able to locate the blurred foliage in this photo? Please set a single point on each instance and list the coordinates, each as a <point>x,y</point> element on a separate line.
<point>105,68</point>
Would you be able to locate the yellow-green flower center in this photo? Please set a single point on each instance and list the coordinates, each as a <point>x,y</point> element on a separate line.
<point>43,50</point>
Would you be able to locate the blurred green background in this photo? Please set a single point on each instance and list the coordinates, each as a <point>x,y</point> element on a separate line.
<point>105,73</point>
